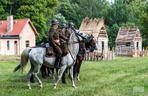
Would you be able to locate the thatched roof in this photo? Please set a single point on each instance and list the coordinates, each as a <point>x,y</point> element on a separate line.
<point>128,35</point>
<point>94,26</point>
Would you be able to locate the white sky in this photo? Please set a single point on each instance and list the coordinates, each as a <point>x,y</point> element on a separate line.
<point>110,0</point>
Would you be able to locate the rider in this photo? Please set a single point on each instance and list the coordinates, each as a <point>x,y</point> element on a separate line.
<point>64,39</point>
<point>69,29</point>
<point>54,41</point>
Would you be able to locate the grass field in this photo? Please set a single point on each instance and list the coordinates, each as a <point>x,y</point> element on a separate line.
<point>123,76</point>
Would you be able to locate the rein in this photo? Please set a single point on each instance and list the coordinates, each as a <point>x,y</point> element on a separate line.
<point>74,42</point>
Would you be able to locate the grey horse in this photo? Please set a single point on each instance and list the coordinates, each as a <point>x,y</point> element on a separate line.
<point>37,58</point>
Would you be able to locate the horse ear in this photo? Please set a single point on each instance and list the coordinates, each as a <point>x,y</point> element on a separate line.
<point>92,36</point>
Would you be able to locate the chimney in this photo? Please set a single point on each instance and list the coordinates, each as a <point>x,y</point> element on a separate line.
<point>9,23</point>
<point>1,22</point>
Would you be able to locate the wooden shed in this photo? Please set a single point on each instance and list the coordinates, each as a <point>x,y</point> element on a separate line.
<point>96,28</point>
<point>128,41</point>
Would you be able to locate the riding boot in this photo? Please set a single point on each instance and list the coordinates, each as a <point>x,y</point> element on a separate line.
<point>58,61</point>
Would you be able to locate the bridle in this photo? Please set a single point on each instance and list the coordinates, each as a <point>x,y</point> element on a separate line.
<point>74,42</point>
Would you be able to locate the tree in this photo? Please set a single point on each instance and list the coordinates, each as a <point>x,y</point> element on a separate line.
<point>69,11</point>
<point>144,26</point>
<point>112,33</point>
<point>39,11</point>
<point>4,8</point>
<point>60,18</point>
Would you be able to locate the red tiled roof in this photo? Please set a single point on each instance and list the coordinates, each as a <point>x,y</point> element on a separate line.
<point>18,26</point>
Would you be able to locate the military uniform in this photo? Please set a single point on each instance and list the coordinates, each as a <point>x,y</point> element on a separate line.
<point>69,29</point>
<point>54,41</point>
<point>63,39</point>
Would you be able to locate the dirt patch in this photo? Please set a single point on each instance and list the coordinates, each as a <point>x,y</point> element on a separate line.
<point>9,58</point>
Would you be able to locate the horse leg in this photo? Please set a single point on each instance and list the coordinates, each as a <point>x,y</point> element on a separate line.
<point>32,78</point>
<point>61,71</point>
<point>52,74</point>
<point>73,80</point>
<point>78,71</point>
<point>37,69</point>
<point>43,71</point>
<point>28,77</point>
<point>57,72</point>
<point>63,77</point>
<point>75,68</point>
<point>40,82</point>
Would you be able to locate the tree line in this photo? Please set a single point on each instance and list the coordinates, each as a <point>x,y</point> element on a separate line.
<point>118,13</point>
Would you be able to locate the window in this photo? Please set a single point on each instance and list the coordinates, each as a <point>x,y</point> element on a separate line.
<point>102,46</point>
<point>128,43</point>
<point>8,45</point>
<point>137,45</point>
<point>27,43</point>
<point>15,47</point>
<point>15,42</point>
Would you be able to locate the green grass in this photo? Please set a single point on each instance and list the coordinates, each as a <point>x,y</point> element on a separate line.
<point>102,78</point>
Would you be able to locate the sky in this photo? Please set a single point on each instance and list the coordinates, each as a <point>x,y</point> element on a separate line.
<point>110,0</point>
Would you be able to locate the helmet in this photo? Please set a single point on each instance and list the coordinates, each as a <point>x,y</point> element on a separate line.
<point>71,24</point>
<point>54,21</point>
<point>63,25</point>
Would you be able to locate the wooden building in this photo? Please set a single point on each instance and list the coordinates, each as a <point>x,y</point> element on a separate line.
<point>96,28</point>
<point>128,42</point>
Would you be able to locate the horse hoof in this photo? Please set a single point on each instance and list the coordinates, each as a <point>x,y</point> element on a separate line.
<point>79,80</point>
<point>29,88</point>
<point>74,87</point>
<point>41,86</point>
<point>54,87</point>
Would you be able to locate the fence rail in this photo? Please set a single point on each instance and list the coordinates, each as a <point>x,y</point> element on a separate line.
<point>96,56</point>
<point>144,53</point>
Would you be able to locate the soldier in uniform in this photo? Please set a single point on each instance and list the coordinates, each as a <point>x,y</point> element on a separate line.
<point>54,41</point>
<point>69,29</point>
<point>64,39</point>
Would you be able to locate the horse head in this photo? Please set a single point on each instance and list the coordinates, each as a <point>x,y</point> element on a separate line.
<point>89,41</point>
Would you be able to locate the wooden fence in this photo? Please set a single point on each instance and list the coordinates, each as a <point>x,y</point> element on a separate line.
<point>134,53</point>
<point>144,53</point>
<point>96,56</point>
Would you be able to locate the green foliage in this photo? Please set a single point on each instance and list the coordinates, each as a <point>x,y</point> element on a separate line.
<point>69,11</point>
<point>126,13</point>
<point>144,26</point>
<point>39,11</point>
<point>61,19</point>
<point>112,32</point>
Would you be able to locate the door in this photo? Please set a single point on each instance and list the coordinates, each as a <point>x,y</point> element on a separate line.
<point>15,47</point>
<point>102,46</point>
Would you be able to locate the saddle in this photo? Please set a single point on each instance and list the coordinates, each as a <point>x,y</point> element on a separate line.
<point>50,50</point>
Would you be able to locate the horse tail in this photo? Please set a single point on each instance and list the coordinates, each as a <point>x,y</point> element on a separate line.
<point>24,59</point>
